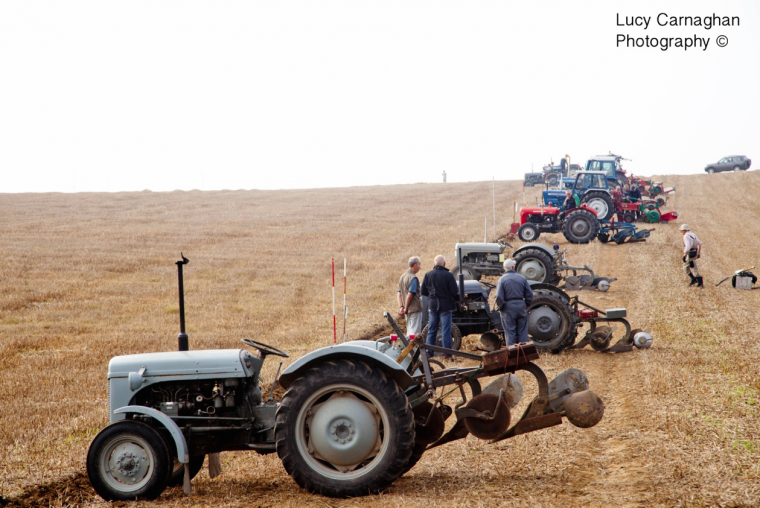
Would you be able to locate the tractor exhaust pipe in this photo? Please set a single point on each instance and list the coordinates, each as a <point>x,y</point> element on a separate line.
<point>461,276</point>
<point>182,341</point>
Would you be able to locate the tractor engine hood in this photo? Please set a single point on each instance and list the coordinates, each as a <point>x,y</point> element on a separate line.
<point>222,363</point>
<point>547,210</point>
<point>466,248</point>
<point>473,287</point>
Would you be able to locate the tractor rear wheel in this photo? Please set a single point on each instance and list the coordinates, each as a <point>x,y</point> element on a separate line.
<point>601,202</point>
<point>551,325</point>
<point>456,336</point>
<point>536,265</point>
<point>528,232</point>
<point>529,183</point>
<point>621,178</point>
<point>344,429</point>
<point>580,226</point>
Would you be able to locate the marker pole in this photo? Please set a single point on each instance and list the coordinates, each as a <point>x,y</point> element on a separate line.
<point>335,327</point>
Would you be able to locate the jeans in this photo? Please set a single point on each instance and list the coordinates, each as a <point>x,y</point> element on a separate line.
<point>444,318</point>
<point>514,319</point>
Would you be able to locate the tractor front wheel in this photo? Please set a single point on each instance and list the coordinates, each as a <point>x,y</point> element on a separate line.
<point>468,272</point>
<point>528,232</point>
<point>344,429</point>
<point>128,460</point>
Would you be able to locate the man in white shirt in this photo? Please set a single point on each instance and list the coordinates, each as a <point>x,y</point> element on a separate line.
<point>692,250</point>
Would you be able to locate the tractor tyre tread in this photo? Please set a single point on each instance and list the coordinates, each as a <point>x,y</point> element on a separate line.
<point>593,230</point>
<point>417,452</point>
<point>400,429</point>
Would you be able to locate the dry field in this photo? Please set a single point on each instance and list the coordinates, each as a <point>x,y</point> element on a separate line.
<point>84,277</point>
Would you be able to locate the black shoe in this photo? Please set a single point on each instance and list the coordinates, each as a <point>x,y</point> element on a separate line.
<point>693,280</point>
<point>699,282</point>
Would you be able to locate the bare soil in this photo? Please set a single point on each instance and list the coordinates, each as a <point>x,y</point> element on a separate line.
<point>88,276</point>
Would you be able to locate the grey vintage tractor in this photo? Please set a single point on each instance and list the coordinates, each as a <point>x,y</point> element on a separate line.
<point>555,319</point>
<point>354,417</point>
<point>535,261</point>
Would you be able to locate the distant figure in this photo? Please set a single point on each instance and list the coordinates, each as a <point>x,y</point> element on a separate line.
<point>440,287</point>
<point>513,296</point>
<point>408,296</point>
<point>444,176</point>
<point>635,194</point>
<point>692,250</point>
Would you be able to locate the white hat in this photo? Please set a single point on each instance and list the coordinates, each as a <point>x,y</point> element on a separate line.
<point>684,227</point>
<point>509,263</point>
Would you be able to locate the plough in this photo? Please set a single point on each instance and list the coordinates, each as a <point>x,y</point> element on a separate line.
<point>600,337</point>
<point>621,232</point>
<point>577,282</point>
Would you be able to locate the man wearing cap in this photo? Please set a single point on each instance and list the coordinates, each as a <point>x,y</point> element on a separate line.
<point>408,296</point>
<point>513,296</point>
<point>692,250</point>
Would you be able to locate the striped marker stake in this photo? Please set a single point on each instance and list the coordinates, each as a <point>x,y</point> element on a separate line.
<point>335,326</point>
<point>345,308</point>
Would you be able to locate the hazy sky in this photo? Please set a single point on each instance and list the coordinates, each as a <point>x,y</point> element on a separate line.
<point>164,95</point>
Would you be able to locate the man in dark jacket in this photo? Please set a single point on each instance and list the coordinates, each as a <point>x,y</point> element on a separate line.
<point>440,287</point>
<point>635,193</point>
<point>513,296</point>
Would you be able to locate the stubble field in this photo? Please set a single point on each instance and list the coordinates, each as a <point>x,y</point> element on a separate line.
<point>84,277</point>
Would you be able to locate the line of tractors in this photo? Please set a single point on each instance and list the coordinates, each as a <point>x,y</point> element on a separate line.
<point>601,211</point>
<point>356,416</point>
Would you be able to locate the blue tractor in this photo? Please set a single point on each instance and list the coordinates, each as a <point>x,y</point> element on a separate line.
<point>591,188</point>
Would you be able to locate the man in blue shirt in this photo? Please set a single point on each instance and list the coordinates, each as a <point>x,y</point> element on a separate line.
<point>513,296</point>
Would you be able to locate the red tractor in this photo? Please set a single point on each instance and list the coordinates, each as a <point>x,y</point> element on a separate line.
<point>643,210</point>
<point>655,190</point>
<point>579,225</point>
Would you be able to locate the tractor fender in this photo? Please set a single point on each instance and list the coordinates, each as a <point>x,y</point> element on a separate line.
<point>179,439</point>
<point>363,350</point>
<point>535,246</point>
<point>554,289</point>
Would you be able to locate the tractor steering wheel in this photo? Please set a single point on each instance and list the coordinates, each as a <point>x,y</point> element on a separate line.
<point>265,349</point>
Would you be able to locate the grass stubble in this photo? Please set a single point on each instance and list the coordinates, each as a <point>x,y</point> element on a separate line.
<point>86,276</point>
